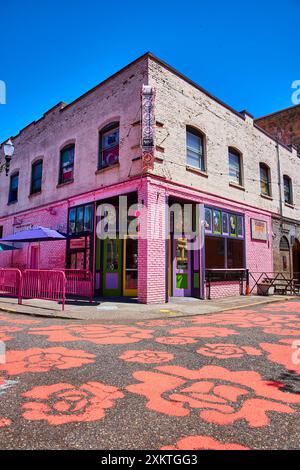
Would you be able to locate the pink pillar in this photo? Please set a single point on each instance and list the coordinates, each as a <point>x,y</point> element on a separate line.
<point>152,244</point>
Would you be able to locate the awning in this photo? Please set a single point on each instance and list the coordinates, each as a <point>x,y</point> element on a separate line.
<point>4,247</point>
<point>37,234</point>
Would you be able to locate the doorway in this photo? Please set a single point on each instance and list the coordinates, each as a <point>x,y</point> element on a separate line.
<point>34,257</point>
<point>130,267</point>
<point>181,283</point>
<point>296,259</point>
<point>112,267</point>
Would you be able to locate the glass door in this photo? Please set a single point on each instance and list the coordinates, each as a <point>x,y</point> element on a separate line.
<point>112,267</point>
<point>130,267</point>
<point>181,268</point>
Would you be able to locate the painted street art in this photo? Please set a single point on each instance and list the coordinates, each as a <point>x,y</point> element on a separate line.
<point>224,381</point>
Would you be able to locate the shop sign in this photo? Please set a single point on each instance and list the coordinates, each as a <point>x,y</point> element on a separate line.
<point>259,230</point>
<point>77,243</point>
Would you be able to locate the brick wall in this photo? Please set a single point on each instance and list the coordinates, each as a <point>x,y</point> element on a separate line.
<point>283,124</point>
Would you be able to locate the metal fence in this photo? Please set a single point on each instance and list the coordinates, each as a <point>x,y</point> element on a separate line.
<point>10,283</point>
<point>79,283</point>
<point>274,282</point>
<point>44,284</point>
<point>227,276</point>
<point>47,284</point>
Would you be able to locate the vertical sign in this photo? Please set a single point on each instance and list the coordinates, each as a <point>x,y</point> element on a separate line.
<point>147,141</point>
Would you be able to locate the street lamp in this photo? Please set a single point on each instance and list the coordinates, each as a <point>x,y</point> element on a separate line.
<point>8,153</point>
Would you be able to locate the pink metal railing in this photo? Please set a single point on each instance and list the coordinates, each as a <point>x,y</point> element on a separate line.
<point>11,283</point>
<point>79,283</point>
<point>47,284</point>
<point>44,284</point>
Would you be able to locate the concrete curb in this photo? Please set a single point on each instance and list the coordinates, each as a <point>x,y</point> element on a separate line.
<point>130,320</point>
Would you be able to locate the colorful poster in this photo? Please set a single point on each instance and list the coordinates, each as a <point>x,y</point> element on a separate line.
<point>217,222</point>
<point>259,230</point>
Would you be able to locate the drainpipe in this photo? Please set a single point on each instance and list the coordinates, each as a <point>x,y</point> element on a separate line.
<point>279,180</point>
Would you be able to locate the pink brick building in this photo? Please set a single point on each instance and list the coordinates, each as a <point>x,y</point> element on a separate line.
<point>152,135</point>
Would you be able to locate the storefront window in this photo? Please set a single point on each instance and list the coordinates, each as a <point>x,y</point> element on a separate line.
<point>235,254</point>
<point>81,219</point>
<point>214,252</point>
<point>181,253</point>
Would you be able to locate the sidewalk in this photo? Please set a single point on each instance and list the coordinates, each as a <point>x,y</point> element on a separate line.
<point>118,310</point>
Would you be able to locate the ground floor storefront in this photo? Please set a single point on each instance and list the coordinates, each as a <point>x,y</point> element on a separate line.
<point>149,239</point>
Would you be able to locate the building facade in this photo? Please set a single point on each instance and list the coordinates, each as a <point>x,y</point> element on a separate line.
<point>284,126</point>
<point>152,135</point>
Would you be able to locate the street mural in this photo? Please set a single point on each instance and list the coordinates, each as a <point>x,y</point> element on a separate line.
<point>223,370</point>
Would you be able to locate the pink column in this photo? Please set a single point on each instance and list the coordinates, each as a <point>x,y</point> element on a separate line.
<point>152,244</point>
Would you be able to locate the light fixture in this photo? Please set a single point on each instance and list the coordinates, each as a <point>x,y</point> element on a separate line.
<point>8,153</point>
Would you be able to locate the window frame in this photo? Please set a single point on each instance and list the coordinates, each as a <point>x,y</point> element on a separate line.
<point>264,166</point>
<point>15,199</point>
<point>288,180</point>
<point>112,126</point>
<point>234,152</point>
<point>64,149</point>
<point>202,166</point>
<point>33,179</point>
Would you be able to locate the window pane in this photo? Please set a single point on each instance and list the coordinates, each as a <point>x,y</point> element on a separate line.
<point>235,254</point>
<point>287,190</point>
<point>88,221</point>
<point>214,252</point>
<point>110,147</point>
<point>264,180</point>
<point>13,189</point>
<point>72,221</point>
<point>195,154</point>
<point>79,221</point>
<point>67,164</point>
<point>234,168</point>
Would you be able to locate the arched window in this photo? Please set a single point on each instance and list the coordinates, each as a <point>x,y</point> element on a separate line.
<point>288,190</point>
<point>109,145</point>
<point>195,148</point>
<point>284,244</point>
<point>66,168</point>
<point>235,166</point>
<point>36,177</point>
<point>265,179</point>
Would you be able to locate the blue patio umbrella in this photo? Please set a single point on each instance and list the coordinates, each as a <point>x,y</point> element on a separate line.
<point>4,247</point>
<point>36,234</point>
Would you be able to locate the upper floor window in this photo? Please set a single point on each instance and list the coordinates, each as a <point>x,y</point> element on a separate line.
<point>13,188</point>
<point>1,231</point>
<point>36,177</point>
<point>288,190</point>
<point>235,166</point>
<point>109,145</point>
<point>265,179</point>
<point>195,148</point>
<point>66,170</point>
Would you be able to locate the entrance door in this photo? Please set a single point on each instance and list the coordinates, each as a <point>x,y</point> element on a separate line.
<point>181,268</point>
<point>34,257</point>
<point>112,267</point>
<point>130,267</point>
<point>296,259</point>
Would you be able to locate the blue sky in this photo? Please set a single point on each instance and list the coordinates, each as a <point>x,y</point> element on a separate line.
<point>245,53</point>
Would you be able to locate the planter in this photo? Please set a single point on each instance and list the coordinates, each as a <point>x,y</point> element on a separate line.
<point>265,289</point>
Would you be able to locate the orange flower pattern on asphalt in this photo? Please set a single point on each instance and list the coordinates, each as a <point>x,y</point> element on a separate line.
<point>18,321</point>
<point>222,396</point>
<point>94,333</point>
<point>227,350</point>
<point>5,332</point>
<point>146,356</point>
<point>284,355</point>
<point>4,422</point>
<point>203,332</point>
<point>43,360</point>
<point>174,340</point>
<point>246,319</point>
<point>203,443</point>
<point>288,329</point>
<point>64,403</point>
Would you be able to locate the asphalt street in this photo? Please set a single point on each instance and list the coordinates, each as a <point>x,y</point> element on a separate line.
<point>220,381</point>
